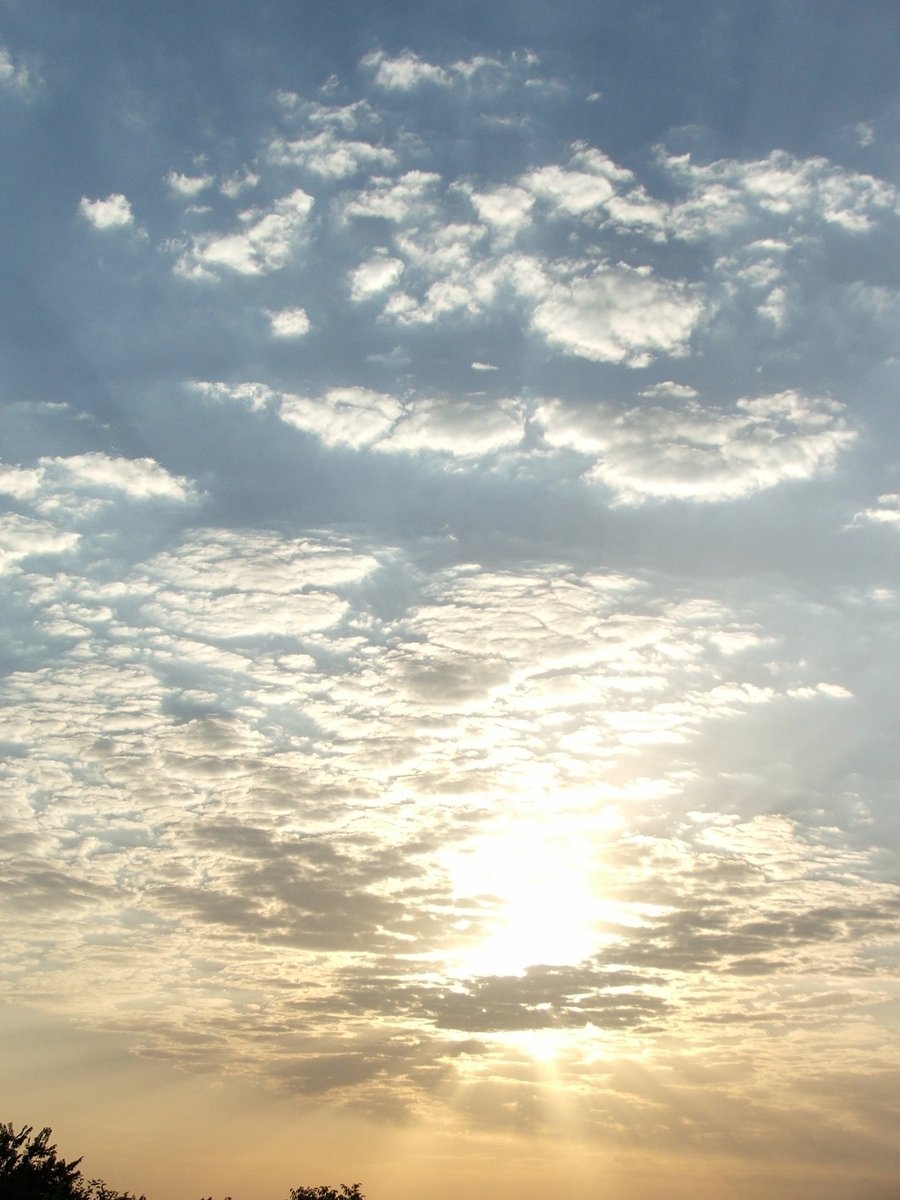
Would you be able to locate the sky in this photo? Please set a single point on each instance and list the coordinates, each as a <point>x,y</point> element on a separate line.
<point>449,555</point>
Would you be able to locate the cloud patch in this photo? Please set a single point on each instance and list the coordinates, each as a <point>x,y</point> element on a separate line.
<point>619,314</point>
<point>266,244</point>
<point>113,212</point>
<point>697,452</point>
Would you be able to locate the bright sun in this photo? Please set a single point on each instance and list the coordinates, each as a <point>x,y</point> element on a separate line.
<point>539,883</point>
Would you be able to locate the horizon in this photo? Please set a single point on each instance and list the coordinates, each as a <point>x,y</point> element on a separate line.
<point>449,550</point>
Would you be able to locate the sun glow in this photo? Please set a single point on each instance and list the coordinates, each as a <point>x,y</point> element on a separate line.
<point>536,883</point>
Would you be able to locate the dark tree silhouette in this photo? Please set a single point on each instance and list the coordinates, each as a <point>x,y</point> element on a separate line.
<point>31,1169</point>
<point>344,1192</point>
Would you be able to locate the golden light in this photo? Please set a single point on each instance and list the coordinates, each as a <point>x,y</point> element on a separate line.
<point>538,880</point>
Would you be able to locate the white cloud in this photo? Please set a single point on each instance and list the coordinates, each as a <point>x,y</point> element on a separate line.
<point>20,482</point>
<point>246,585</point>
<point>728,192</point>
<point>358,418</point>
<point>408,197</point>
<point>112,213</point>
<point>702,453</point>
<point>350,416</point>
<point>667,387</point>
<point>16,75</point>
<point>375,275</point>
<point>330,156</point>
<point>506,209</point>
<point>238,183</point>
<point>407,71</point>
<point>573,192</point>
<point>885,512</point>
<point>865,133</point>
<point>592,183</point>
<point>24,537</point>
<point>464,428</point>
<point>774,307</point>
<point>255,396</point>
<point>348,117</point>
<point>189,185</point>
<point>51,484</point>
<point>265,245</point>
<point>138,478</point>
<point>403,73</point>
<point>289,323</point>
<point>619,314</point>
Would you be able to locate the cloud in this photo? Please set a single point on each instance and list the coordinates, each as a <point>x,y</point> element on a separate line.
<point>407,71</point>
<point>506,209</point>
<point>778,188</point>
<point>74,484</point>
<point>20,482</point>
<point>375,275</point>
<point>16,74</point>
<point>188,185</point>
<point>885,512</point>
<point>463,428</point>
<point>406,198</point>
<point>865,133</point>
<point>243,587</point>
<point>265,245</point>
<point>252,698</point>
<point>137,478</point>
<point>619,314</point>
<point>351,416</point>
<point>360,418</point>
<point>23,537</point>
<point>577,192</point>
<point>403,73</point>
<point>112,213</point>
<point>289,323</point>
<point>254,396</point>
<point>668,388</point>
<point>701,453</point>
<point>330,156</point>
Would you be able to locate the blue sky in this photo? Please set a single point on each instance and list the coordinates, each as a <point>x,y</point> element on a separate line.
<point>450,546</point>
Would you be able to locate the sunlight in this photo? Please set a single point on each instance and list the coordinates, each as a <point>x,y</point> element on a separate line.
<point>539,882</point>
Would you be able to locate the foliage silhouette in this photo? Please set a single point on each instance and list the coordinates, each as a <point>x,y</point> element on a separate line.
<point>344,1192</point>
<point>31,1169</point>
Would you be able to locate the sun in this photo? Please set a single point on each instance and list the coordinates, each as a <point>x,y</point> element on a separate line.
<point>536,881</point>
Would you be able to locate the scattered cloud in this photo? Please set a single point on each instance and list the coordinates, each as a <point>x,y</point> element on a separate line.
<point>188,185</point>
<point>619,314</point>
<point>289,323</point>
<point>885,512</point>
<point>23,537</point>
<point>696,452</point>
<point>17,74</point>
<point>265,244</point>
<point>329,155</point>
<point>376,275</point>
<point>112,213</point>
<point>351,416</point>
<point>405,72</point>
<point>726,193</point>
